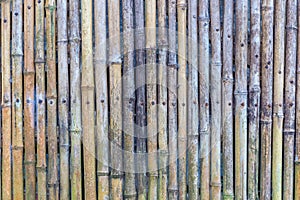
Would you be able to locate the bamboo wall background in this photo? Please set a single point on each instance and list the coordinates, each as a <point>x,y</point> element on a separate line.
<point>134,99</point>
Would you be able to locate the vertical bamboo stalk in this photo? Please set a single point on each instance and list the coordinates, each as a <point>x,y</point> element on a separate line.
<point>203,68</point>
<point>51,100</point>
<point>151,75</point>
<point>290,89</point>
<point>241,100</point>
<point>40,100</point>
<point>193,101</point>
<point>266,97</point>
<point>278,99</point>
<point>227,101</point>
<point>254,101</point>
<point>140,98</point>
<point>87,99</point>
<point>182,100</point>
<point>172,102</point>
<point>17,99</point>
<point>75,100</point>
<point>29,73</point>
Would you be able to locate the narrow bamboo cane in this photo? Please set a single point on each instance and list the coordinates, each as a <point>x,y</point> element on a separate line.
<point>266,98</point>
<point>227,102</point>
<point>101,99</point>
<point>172,102</point>
<point>51,100</point>
<point>254,101</point>
<point>40,99</point>
<point>241,101</point>
<point>75,101</point>
<point>140,99</point>
<point>128,100</point>
<point>151,75</point>
<point>87,99</point>
<point>290,90</point>
<point>193,134</point>
<point>203,68</point>
<point>182,100</point>
<point>17,99</point>
<point>29,118</point>
<point>278,99</point>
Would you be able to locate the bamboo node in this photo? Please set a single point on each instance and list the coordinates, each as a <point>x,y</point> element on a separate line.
<point>215,184</point>
<point>28,72</point>
<point>173,66</point>
<point>203,19</point>
<point>117,175</point>
<point>267,8</point>
<point>39,61</point>
<point>152,174</point>
<point>204,132</point>
<point>75,39</point>
<point>129,196</point>
<point>17,54</point>
<point>6,105</point>
<point>217,63</point>
<point>50,7</point>
<point>102,173</point>
<point>289,131</point>
<point>230,80</point>
<point>265,121</point>
<point>65,145</point>
<point>293,28</point>
<point>29,162</point>
<point>17,147</point>
<point>88,87</point>
<point>182,5</point>
<point>41,168</point>
<point>62,41</point>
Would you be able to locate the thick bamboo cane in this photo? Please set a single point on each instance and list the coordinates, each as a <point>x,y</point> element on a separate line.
<point>182,100</point>
<point>29,117</point>
<point>87,99</point>
<point>128,100</point>
<point>227,102</point>
<point>290,90</point>
<point>75,101</point>
<point>266,98</point>
<point>240,94</point>
<point>254,101</point>
<point>17,99</point>
<point>278,99</point>
<point>193,109</point>
<point>40,100</point>
<point>203,68</point>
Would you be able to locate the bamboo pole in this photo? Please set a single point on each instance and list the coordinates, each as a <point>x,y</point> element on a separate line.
<point>227,102</point>
<point>29,117</point>
<point>140,80</point>
<point>51,100</point>
<point>151,73</point>
<point>192,102</point>
<point>41,164</point>
<point>203,68</point>
<point>128,100</point>
<point>87,99</point>
<point>240,93</point>
<point>278,99</point>
<point>266,98</point>
<point>17,99</point>
<point>182,100</point>
<point>75,101</point>
<point>172,102</point>
<point>290,89</point>
<point>254,101</point>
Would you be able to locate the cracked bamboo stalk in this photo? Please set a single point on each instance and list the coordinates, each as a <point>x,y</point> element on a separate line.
<point>227,102</point>
<point>17,99</point>
<point>266,98</point>
<point>279,42</point>
<point>240,93</point>
<point>193,110</point>
<point>75,101</point>
<point>29,73</point>
<point>41,164</point>
<point>290,98</point>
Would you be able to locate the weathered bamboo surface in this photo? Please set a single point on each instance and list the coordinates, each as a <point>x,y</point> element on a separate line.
<point>150,99</point>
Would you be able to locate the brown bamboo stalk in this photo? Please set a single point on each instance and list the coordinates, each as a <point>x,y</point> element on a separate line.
<point>278,99</point>
<point>193,110</point>
<point>227,102</point>
<point>182,100</point>
<point>140,99</point>
<point>203,68</point>
<point>290,90</point>
<point>75,101</point>
<point>29,118</point>
<point>254,101</point>
<point>40,100</point>
<point>266,98</point>
<point>51,100</point>
<point>17,99</point>
<point>241,100</point>
<point>87,99</point>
